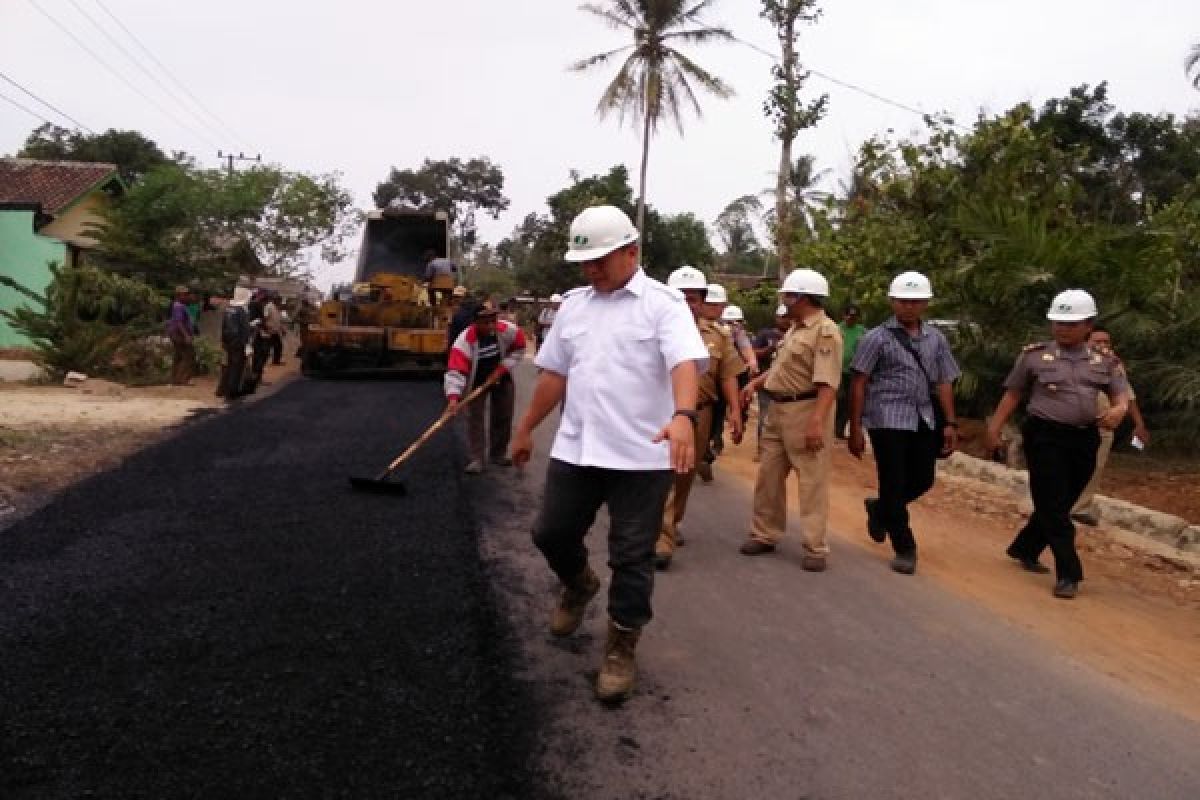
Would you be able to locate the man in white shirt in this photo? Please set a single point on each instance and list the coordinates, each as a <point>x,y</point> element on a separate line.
<point>631,351</point>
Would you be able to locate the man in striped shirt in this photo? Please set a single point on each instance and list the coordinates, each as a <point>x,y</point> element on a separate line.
<point>901,370</point>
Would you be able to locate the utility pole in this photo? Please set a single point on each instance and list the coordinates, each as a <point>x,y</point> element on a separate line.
<point>230,157</point>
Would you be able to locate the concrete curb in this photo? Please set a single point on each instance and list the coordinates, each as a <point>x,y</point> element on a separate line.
<point>1163,534</point>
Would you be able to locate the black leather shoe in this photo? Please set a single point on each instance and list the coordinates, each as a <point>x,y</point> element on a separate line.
<point>1066,589</point>
<point>1028,564</point>
<point>905,563</point>
<point>753,547</point>
<point>874,529</point>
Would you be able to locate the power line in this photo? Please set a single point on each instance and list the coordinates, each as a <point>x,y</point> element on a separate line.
<point>26,109</point>
<point>83,46</point>
<point>229,130</point>
<point>53,108</point>
<point>851,86</point>
<point>137,63</point>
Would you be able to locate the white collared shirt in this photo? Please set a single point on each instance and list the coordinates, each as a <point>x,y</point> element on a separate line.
<point>617,351</point>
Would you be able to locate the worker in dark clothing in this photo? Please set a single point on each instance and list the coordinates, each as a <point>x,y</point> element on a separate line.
<point>235,335</point>
<point>1062,379</point>
<point>463,316</point>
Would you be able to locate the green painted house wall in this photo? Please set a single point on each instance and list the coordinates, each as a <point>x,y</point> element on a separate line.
<point>23,257</point>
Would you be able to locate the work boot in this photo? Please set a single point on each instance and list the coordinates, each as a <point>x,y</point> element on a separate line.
<point>574,602</point>
<point>502,461</point>
<point>704,470</point>
<point>614,683</point>
<point>474,468</point>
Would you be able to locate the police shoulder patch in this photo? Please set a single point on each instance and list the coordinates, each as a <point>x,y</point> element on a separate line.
<point>828,329</point>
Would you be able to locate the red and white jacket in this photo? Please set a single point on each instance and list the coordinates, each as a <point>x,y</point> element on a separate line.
<point>464,355</point>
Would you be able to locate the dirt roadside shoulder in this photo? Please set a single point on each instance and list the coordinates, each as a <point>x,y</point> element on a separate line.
<point>1135,619</point>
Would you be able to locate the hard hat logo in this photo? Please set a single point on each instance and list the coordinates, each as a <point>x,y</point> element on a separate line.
<point>581,240</point>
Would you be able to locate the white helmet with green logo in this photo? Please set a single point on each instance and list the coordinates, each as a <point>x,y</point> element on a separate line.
<point>598,231</point>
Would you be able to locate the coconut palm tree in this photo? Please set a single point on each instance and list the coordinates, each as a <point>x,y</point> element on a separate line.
<point>1192,65</point>
<point>656,80</point>
<point>802,194</point>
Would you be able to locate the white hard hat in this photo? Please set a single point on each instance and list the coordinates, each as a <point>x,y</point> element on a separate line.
<point>556,298</point>
<point>1072,305</point>
<point>732,314</point>
<point>781,310</point>
<point>716,294</point>
<point>687,278</point>
<point>598,231</point>
<point>911,286</point>
<point>805,281</point>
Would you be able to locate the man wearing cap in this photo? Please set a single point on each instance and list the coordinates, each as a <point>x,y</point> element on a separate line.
<point>902,392</point>
<point>486,352</point>
<point>719,380</point>
<point>179,331</point>
<point>802,384</point>
<point>852,330</point>
<point>632,355</point>
<point>1062,380</point>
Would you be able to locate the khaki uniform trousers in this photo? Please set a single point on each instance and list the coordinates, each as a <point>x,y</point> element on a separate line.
<point>677,498</point>
<point>1084,504</point>
<point>782,453</point>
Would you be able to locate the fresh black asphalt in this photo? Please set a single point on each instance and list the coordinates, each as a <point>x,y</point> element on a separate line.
<point>221,616</point>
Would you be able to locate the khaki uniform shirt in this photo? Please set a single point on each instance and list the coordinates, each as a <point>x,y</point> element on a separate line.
<point>1064,385</point>
<point>723,360</point>
<point>809,355</point>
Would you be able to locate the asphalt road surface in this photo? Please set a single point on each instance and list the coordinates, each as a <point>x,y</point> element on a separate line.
<point>759,680</point>
<point>221,617</point>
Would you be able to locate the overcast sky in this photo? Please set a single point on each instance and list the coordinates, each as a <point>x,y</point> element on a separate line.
<point>357,86</point>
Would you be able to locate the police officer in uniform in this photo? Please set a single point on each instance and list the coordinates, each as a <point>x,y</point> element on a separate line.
<point>1062,379</point>
<point>802,384</point>
<point>724,365</point>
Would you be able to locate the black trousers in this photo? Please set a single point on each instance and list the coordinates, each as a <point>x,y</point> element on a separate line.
<point>841,414</point>
<point>635,500</point>
<point>233,374</point>
<point>1061,459</point>
<point>905,462</point>
<point>262,349</point>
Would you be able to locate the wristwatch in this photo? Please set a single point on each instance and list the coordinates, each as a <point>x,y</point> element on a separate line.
<point>689,413</point>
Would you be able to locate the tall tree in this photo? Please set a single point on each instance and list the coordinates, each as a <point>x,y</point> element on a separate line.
<point>133,153</point>
<point>785,109</point>
<point>656,78</point>
<point>460,188</point>
<point>179,225</point>
<point>735,229</point>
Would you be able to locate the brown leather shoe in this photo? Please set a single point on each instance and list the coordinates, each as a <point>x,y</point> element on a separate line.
<point>753,547</point>
<point>573,602</point>
<point>813,563</point>
<point>614,682</point>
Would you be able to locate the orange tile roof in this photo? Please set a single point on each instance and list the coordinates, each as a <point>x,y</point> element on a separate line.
<point>53,184</point>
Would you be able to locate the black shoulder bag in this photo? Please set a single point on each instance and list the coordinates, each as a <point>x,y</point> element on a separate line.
<point>939,416</point>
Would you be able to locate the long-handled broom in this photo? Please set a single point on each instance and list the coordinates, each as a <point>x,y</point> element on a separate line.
<point>380,483</point>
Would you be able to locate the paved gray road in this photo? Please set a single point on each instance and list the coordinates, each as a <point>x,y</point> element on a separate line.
<point>761,680</point>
